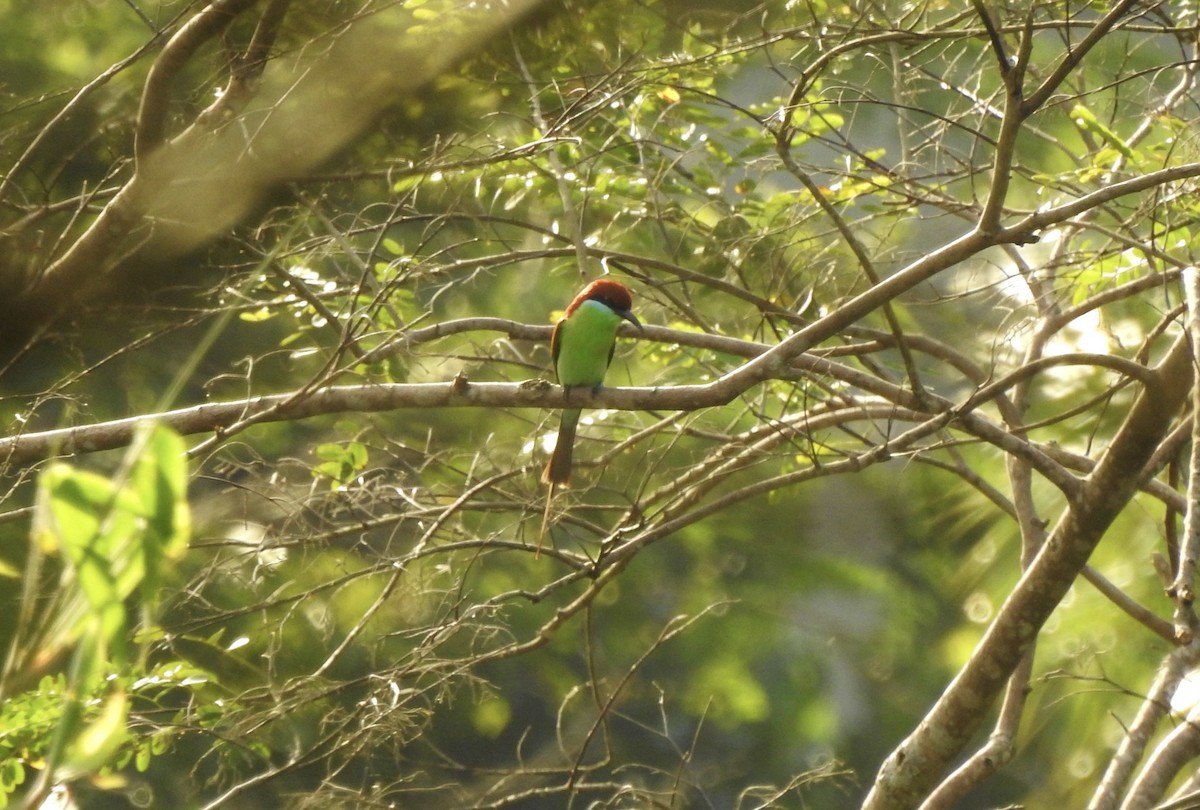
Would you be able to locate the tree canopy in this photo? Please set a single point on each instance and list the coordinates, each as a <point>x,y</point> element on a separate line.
<point>892,503</point>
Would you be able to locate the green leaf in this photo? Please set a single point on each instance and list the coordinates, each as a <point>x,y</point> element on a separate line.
<point>101,738</point>
<point>12,774</point>
<point>142,758</point>
<point>341,462</point>
<point>1086,120</point>
<point>159,480</point>
<point>255,315</point>
<point>114,536</point>
<point>93,524</point>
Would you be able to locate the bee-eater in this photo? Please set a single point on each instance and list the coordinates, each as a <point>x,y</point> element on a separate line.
<point>582,347</point>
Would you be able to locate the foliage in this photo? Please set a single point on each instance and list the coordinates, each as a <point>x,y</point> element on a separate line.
<point>114,537</point>
<point>913,277</point>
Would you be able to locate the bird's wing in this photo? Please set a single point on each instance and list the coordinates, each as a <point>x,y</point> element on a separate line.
<point>556,344</point>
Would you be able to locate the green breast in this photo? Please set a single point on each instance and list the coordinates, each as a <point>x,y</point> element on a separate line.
<point>585,344</point>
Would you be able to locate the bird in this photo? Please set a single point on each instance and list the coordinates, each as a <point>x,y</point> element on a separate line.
<point>582,347</point>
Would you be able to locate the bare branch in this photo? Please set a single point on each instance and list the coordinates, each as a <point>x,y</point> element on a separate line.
<point>1133,746</point>
<point>919,762</point>
<point>1071,59</point>
<point>1183,589</point>
<point>156,94</point>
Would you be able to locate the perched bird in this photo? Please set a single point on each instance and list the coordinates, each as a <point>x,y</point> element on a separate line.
<point>582,347</point>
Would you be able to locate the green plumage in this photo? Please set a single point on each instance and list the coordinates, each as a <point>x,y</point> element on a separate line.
<point>582,347</point>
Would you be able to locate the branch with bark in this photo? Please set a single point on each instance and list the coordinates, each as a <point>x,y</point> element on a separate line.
<point>186,189</point>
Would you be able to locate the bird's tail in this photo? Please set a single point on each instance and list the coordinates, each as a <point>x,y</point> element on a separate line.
<point>558,471</point>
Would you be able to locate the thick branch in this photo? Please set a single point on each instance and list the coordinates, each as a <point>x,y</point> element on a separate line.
<point>995,752</point>
<point>156,94</point>
<point>222,417</point>
<point>189,189</point>
<point>1183,589</point>
<point>918,763</point>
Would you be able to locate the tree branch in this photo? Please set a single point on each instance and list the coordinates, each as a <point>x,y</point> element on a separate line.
<point>1178,748</point>
<point>995,752</point>
<point>156,94</point>
<point>1154,708</point>
<point>1073,57</point>
<point>191,188</point>
<point>1027,229</point>
<point>1183,589</point>
<point>227,416</point>
<point>918,763</point>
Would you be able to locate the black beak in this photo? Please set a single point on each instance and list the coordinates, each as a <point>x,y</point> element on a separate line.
<point>629,316</point>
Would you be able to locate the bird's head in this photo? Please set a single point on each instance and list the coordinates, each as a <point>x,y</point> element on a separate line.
<point>612,294</point>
